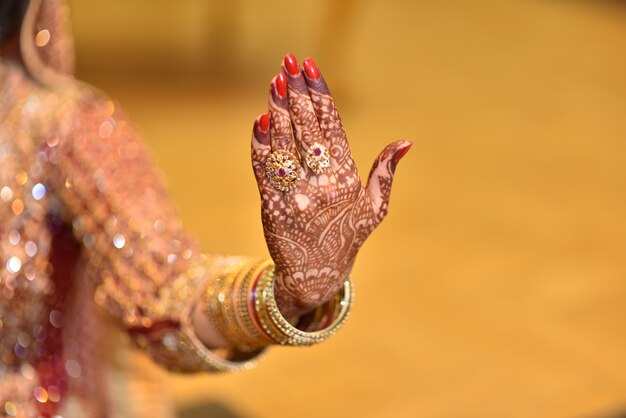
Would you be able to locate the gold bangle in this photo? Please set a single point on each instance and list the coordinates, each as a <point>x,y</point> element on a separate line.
<point>179,348</point>
<point>213,307</point>
<point>244,301</point>
<point>219,306</point>
<point>226,303</point>
<point>282,331</point>
<point>228,310</point>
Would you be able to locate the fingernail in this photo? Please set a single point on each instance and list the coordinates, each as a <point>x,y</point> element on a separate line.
<point>281,84</point>
<point>311,69</point>
<point>291,64</point>
<point>264,122</point>
<point>398,156</point>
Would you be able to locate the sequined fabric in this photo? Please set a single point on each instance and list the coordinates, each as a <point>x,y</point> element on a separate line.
<point>86,226</point>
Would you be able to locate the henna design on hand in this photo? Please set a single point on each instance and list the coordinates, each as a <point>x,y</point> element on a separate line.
<point>315,230</point>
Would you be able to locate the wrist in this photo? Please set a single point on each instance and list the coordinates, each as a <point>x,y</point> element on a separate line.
<point>311,328</point>
<point>205,330</point>
<point>298,293</point>
<point>229,306</point>
<point>240,310</point>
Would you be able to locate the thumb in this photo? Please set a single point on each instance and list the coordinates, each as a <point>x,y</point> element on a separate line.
<point>380,178</point>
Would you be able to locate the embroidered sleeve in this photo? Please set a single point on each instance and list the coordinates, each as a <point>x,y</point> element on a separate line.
<point>150,270</point>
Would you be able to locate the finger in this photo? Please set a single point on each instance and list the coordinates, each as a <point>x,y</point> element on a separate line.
<point>261,149</point>
<point>381,176</point>
<point>280,127</point>
<point>306,128</point>
<point>329,120</point>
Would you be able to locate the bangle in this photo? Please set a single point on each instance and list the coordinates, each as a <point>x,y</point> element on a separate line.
<point>326,320</point>
<point>219,306</point>
<point>228,306</point>
<point>226,299</point>
<point>177,345</point>
<point>245,305</point>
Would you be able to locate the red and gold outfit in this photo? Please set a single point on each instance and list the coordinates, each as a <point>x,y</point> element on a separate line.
<point>85,220</point>
<point>86,223</point>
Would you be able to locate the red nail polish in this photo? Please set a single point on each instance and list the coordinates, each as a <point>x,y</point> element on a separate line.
<point>402,152</point>
<point>311,69</point>
<point>291,64</point>
<point>281,84</point>
<point>264,122</point>
<point>398,156</point>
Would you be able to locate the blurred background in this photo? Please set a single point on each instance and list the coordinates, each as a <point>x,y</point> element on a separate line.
<point>497,285</point>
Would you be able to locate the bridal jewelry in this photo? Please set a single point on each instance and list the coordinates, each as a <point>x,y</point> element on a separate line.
<point>282,170</point>
<point>317,158</point>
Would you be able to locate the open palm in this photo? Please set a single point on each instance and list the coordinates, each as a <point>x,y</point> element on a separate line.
<point>314,230</point>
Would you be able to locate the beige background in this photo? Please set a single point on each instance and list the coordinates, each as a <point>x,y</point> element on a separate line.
<point>497,286</point>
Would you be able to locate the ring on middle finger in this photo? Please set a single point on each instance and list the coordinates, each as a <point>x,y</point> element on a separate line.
<point>317,158</point>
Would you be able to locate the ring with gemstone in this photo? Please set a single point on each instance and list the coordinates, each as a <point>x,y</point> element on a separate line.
<point>318,158</point>
<point>282,170</point>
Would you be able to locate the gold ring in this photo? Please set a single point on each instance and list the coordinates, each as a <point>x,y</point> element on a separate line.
<point>281,168</point>
<point>318,158</point>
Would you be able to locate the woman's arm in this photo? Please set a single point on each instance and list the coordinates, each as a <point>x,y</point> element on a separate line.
<point>154,277</point>
<point>150,269</point>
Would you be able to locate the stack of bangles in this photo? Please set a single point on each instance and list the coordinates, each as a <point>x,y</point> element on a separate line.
<point>242,308</point>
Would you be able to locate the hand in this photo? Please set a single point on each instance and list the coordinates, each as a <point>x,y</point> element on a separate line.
<point>314,230</point>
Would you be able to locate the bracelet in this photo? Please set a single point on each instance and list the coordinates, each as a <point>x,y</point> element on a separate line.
<point>313,328</point>
<point>219,306</point>
<point>228,306</point>
<point>242,308</point>
<point>244,296</point>
<point>178,347</point>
